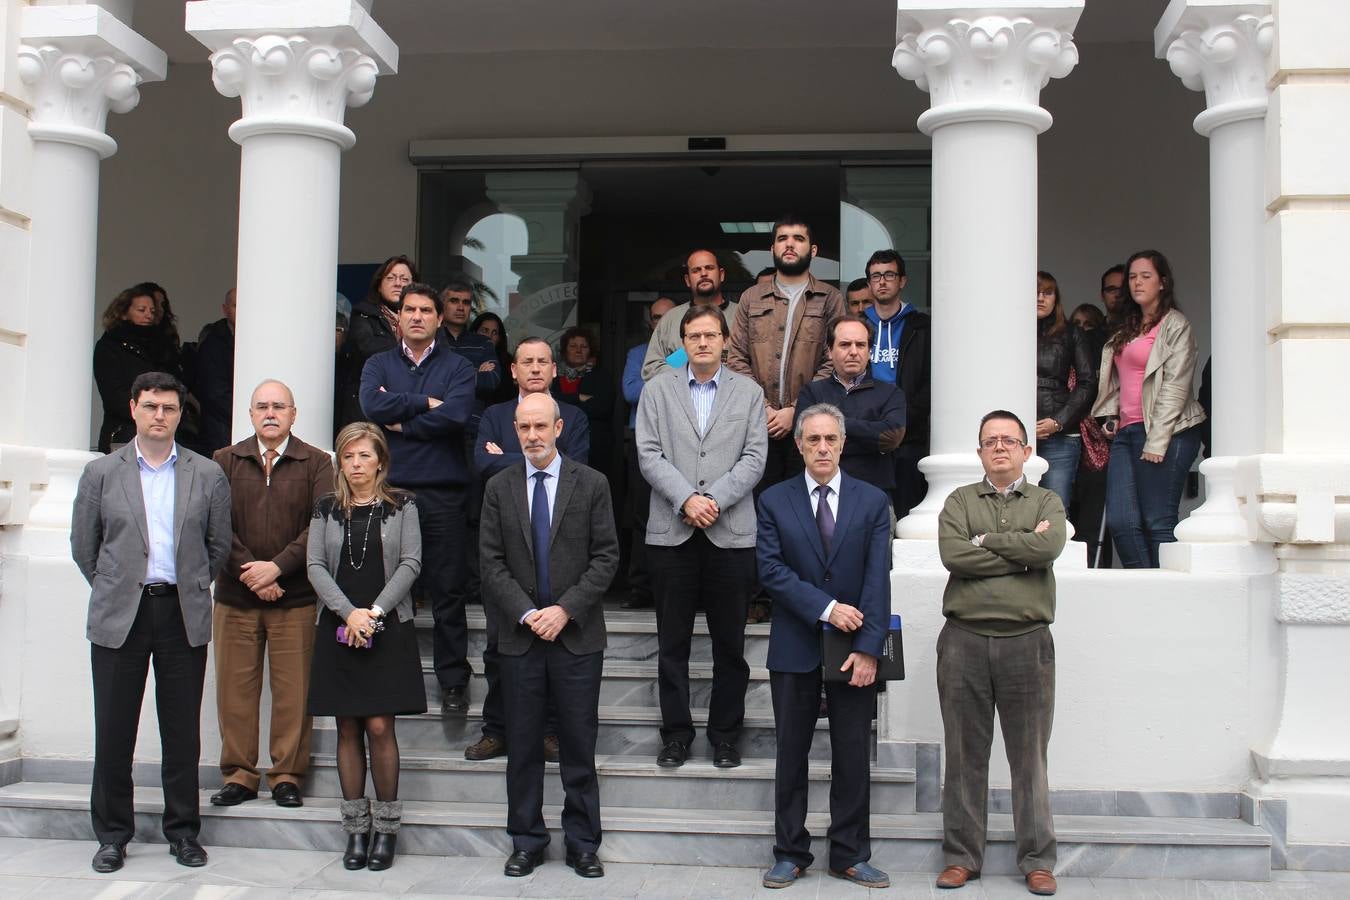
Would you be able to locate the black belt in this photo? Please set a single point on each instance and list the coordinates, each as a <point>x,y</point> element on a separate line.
<point>160,589</point>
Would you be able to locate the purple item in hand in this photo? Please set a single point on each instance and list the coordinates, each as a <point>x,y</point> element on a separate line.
<point>342,639</point>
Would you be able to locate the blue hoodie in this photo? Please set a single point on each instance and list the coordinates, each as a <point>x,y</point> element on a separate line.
<point>886,345</point>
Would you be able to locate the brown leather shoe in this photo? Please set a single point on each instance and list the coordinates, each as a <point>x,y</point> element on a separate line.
<point>487,747</point>
<point>1041,882</point>
<point>550,748</point>
<point>955,877</point>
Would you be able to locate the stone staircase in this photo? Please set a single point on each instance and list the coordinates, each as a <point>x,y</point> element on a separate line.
<point>694,815</point>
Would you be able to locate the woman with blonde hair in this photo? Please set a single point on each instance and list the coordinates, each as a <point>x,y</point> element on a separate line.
<point>365,552</point>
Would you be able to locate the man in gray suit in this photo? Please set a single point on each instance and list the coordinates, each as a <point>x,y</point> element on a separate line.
<point>702,440</point>
<point>150,531</point>
<point>548,554</point>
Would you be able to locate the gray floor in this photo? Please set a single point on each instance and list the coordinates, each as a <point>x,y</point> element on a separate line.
<point>60,869</point>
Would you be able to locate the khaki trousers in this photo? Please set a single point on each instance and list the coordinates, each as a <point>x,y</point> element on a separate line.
<point>242,637</point>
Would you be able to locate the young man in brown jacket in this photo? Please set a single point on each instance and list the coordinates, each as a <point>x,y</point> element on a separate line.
<point>264,601</point>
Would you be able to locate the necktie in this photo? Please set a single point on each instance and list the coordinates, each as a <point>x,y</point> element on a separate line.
<point>539,527</point>
<point>825,518</point>
<point>269,460</point>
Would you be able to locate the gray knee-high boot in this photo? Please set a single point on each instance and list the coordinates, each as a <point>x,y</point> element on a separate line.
<point>356,823</point>
<point>388,818</point>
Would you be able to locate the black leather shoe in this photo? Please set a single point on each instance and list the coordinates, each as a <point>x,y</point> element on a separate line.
<point>726,756</point>
<point>287,794</point>
<point>587,865</point>
<point>188,852</point>
<point>382,851</point>
<point>232,794</point>
<point>522,863</point>
<point>455,702</point>
<point>673,755</point>
<point>109,857</point>
<point>358,851</point>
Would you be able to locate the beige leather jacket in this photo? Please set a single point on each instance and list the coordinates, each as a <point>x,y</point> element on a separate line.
<point>1168,396</point>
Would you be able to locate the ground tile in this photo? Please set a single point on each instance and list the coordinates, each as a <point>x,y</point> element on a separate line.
<point>406,872</point>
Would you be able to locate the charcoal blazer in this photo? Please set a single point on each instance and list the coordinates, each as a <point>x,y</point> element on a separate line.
<point>109,541</point>
<point>802,579</point>
<point>583,556</point>
<point>725,463</point>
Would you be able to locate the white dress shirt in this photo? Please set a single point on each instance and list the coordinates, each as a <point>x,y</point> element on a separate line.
<point>833,500</point>
<point>157,491</point>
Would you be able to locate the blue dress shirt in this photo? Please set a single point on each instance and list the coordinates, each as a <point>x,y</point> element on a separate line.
<point>157,489</point>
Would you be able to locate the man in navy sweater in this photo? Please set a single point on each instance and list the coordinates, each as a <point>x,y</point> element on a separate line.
<point>423,396</point>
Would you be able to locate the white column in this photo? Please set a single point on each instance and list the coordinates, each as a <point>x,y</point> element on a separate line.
<point>79,62</point>
<point>296,67</point>
<point>984,66</point>
<point>1221,48</point>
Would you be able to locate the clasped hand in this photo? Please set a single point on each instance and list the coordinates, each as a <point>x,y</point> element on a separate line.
<point>700,511</point>
<point>360,625</point>
<point>548,623</point>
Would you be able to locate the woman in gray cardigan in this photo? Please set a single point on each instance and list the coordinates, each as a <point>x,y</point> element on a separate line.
<point>365,552</point>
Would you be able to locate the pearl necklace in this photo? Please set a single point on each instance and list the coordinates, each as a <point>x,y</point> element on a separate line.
<point>365,538</point>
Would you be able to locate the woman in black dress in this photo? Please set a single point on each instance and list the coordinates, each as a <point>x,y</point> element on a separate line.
<point>365,552</point>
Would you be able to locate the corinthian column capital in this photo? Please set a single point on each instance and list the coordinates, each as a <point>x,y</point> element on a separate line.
<point>1219,47</point>
<point>986,62</point>
<point>80,63</point>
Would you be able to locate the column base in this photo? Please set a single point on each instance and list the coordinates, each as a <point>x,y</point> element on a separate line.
<point>945,473</point>
<point>1220,518</point>
<point>1223,558</point>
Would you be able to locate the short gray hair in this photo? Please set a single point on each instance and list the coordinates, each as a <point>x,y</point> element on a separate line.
<point>820,409</point>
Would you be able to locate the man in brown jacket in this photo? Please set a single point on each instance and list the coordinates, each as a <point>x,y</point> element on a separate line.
<point>264,602</point>
<point>778,338</point>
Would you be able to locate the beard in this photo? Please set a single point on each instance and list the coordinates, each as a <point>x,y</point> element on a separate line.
<point>791,269</point>
<point>705,292</point>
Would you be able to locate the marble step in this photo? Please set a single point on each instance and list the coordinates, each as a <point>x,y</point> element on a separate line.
<point>1122,846</point>
<point>631,684</point>
<point>631,637</point>
<point>624,730</point>
<point>625,781</point>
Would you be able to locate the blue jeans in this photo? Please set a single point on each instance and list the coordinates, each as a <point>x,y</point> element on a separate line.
<point>1061,451</point>
<point>1142,498</point>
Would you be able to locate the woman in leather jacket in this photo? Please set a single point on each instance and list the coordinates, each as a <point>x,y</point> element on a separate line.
<point>373,329</point>
<point>1066,384</point>
<point>1147,396</point>
<point>132,344</point>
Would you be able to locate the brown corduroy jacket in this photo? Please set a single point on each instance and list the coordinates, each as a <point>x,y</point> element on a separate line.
<point>757,338</point>
<point>271,521</point>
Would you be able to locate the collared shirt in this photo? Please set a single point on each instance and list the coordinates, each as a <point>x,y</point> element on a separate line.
<point>852,382</point>
<point>703,394</point>
<point>157,491</point>
<point>280,451</point>
<point>418,360</point>
<point>554,471</point>
<point>978,540</point>
<point>833,500</point>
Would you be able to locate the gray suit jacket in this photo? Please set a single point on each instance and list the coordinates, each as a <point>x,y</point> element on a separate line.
<point>725,463</point>
<point>583,556</point>
<point>109,541</point>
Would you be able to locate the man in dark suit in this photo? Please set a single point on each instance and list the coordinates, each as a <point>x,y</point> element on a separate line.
<point>150,531</point>
<point>549,553</point>
<point>817,572</point>
<point>496,449</point>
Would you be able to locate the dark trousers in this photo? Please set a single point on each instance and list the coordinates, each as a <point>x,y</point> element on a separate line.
<point>1086,513</point>
<point>442,512</point>
<point>157,636</point>
<point>494,714</point>
<point>639,503</point>
<point>977,675</point>
<point>693,574</point>
<point>796,704</point>
<point>1143,498</point>
<point>549,672</point>
<point>910,485</point>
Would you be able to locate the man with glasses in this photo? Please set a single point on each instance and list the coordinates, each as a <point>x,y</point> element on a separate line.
<point>264,601</point>
<point>701,444</point>
<point>999,539</point>
<point>1113,293</point>
<point>902,355</point>
<point>150,529</point>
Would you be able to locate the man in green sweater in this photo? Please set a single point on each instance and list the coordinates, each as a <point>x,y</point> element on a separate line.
<point>999,539</point>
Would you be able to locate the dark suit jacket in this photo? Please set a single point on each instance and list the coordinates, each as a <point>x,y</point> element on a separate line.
<point>109,541</point>
<point>802,582</point>
<point>583,556</point>
<point>498,425</point>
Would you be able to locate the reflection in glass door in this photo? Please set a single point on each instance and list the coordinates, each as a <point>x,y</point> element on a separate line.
<point>887,207</point>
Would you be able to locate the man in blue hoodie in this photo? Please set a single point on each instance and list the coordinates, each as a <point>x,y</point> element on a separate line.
<point>901,354</point>
<point>422,393</point>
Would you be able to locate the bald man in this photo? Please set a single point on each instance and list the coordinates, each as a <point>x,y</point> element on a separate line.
<point>264,601</point>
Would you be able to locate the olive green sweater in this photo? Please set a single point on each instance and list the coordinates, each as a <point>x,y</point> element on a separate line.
<point>1006,586</point>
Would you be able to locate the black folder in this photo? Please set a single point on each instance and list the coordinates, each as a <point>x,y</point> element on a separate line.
<point>836,645</point>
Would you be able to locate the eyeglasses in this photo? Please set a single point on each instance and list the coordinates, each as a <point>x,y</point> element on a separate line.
<point>398,279</point>
<point>698,336</point>
<point>154,409</point>
<point>884,276</point>
<point>1001,441</point>
<point>271,407</point>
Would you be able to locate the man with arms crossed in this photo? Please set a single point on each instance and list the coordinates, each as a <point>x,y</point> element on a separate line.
<point>549,553</point>
<point>149,531</point>
<point>701,439</point>
<point>824,553</point>
<point>999,539</point>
